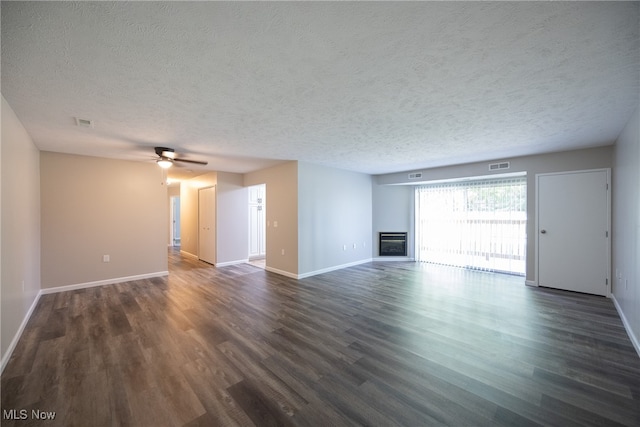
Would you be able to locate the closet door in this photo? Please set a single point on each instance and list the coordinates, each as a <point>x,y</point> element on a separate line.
<point>207,224</point>
<point>573,231</point>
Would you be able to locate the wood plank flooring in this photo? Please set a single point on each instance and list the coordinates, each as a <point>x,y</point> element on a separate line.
<point>378,344</point>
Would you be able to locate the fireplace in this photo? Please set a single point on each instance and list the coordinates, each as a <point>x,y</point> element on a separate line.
<point>393,244</point>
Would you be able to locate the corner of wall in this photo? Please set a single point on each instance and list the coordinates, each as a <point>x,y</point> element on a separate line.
<point>20,220</point>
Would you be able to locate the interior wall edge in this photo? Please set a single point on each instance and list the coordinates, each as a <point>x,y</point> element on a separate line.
<point>627,325</point>
<point>14,342</point>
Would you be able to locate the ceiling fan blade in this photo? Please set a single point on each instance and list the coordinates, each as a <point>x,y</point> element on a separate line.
<point>165,152</point>
<point>198,162</point>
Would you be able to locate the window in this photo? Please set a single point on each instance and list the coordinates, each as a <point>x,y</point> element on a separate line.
<point>473,224</point>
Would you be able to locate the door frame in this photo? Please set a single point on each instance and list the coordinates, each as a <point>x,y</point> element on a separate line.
<point>263,203</point>
<point>608,210</point>
<point>172,218</point>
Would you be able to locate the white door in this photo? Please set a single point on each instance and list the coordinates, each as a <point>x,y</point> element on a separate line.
<point>573,231</point>
<point>207,224</point>
<point>257,206</point>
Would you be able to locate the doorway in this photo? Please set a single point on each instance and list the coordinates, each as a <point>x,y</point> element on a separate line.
<point>174,220</point>
<point>257,229</point>
<point>572,231</point>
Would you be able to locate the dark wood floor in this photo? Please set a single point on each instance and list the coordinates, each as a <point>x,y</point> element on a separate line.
<point>378,344</point>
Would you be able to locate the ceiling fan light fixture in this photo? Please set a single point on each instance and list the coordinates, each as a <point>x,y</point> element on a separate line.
<point>164,163</point>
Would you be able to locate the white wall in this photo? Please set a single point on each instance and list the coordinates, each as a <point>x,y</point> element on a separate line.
<point>626,226</point>
<point>591,158</point>
<point>20,230</point>
<point>334,212</point>
<point>93,207</point>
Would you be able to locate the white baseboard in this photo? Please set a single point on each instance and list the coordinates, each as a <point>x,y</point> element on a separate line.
<point>531,283</point>
<point>14,342</point>
<point>334,268</point>
<point>281,272</point>
<point>393,258</point>
<point>316,272</point>
<point>627,325</point>
<point>188,254</point>
<point>224,264</point>
<point>102,282</point>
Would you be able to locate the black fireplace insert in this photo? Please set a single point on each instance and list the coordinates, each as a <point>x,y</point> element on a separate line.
<point>393,244</point>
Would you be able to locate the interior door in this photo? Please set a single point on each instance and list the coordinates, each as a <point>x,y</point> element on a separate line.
<point>257,207</point>
<point>207,224</point>
<point>573,231</point>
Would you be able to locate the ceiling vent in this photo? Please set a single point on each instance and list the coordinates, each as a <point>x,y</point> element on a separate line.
<point>415,175</point>
<point>84,123</point>
<point>499,166</point>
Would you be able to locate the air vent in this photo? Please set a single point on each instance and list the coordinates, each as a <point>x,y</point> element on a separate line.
<point>84,123</point>
<point>499,166</point>
<point>415,175</point>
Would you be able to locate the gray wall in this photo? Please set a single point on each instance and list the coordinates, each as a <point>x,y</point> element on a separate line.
<point>232,219</point>
<point>94,206</point>
<point>282,208</point>
<point>334,212</point>
<point>189,211</point>
<point>592,158</point>
<point>393,210</point>
<point>626,226</point>
<point>20,231</point>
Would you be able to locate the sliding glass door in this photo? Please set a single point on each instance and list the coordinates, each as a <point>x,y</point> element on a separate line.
<point>473,224</point>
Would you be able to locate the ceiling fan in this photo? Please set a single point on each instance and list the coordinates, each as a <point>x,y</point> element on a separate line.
<point>166,157</point>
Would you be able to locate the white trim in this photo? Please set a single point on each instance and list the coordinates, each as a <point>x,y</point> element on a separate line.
<point>281,272</point>
<point>627,325</point>
<point>14,342</point>
<point>224,264</point>
<point>188,254</point>
<point>335,267</point>
<point>316,272</point>
<point>467,178</point>
<point>102,282</point>
<point>392,258</point>
<point>531,283</point>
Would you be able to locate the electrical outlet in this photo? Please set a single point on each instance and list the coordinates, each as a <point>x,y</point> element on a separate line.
<point>106,258</point>
<point>354,246</point>
<point>344,247</point>
<point>283,252</point>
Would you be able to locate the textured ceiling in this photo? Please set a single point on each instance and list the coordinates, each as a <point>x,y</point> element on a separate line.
<point>372,87</point>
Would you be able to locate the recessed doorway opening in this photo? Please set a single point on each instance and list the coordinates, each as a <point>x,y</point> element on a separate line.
<point>257,225</point>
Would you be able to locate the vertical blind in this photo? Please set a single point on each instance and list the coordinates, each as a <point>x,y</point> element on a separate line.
<point>473,224</point>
